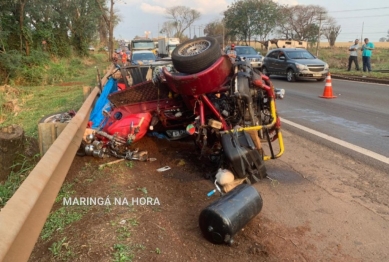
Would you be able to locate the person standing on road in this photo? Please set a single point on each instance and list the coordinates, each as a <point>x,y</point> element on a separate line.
<point>366,55</point>
<point>353,55</point>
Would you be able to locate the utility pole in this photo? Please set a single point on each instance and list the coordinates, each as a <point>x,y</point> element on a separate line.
<point>318,36</point>
<point>363,23</point>
<point>199,30</point>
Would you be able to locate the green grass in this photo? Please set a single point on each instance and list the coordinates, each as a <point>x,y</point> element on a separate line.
<point>360,73</point>
<point>65,192</point>
<point>59,219</point>
<point>123,253</point>
<point>123,233</point>
<point>62,251</point>
<point>20,171</point>
<point>142,189</point>
<point>63,95</point>
<point>337,58</point>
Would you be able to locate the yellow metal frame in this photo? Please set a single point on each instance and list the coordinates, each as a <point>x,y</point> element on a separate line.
<point>279,134</point>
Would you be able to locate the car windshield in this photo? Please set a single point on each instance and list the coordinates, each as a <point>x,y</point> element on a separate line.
<point>245,50</point>
<point>299,54</point>
<point>143,56</point>
<point>144,45</point>
<point>172,47</point>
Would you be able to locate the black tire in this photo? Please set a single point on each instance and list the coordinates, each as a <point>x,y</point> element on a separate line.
<point>57,117</point>
<point>320,79</point>
<point>196,55</point>
<point>290,75</point>
<point>264,71</point>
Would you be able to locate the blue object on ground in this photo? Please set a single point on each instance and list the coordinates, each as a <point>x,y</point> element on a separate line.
<point>102,102</point>
<point>211,193</point>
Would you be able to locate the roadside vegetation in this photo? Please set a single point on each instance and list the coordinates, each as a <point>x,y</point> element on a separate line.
<point>59,89</point>
<point>337,58</point>
<point>25,105</point>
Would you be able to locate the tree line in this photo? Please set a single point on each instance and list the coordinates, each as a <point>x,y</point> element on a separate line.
<point>248,20</point>
<point>56,26</point>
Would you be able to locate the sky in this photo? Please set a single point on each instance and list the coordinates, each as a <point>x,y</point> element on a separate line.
<point>139,16</point>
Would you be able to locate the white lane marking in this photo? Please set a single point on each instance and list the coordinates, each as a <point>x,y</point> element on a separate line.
<point>355,148</point>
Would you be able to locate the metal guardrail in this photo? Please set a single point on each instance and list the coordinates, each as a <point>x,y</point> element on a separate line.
<point>24,215</point>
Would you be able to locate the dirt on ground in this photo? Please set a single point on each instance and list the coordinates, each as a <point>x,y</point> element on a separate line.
<point>318,205</point>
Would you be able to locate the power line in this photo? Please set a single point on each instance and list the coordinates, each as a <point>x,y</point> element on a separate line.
<point>369,32</point>
<point>361,16</point>
<point>353,26</point>
<point>354,10</point>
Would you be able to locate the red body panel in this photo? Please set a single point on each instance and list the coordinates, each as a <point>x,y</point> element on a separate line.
<point>208,81</point>
<point>122,127</point>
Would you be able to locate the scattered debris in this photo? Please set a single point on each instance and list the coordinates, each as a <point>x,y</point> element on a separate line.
<point>110,163</point>
<point>162,169</point>
<point>181,162</point>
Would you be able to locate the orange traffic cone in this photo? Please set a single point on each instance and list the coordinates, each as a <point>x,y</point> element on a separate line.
<point>328,88</point>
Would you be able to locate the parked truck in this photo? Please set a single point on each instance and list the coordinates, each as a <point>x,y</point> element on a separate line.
<point>139,44</point>
<point>166,46</point>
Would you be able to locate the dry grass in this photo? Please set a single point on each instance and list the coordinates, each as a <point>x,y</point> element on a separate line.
<point>347,44</point>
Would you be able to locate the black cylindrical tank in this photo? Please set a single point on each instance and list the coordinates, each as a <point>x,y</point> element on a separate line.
<point>221,220</point>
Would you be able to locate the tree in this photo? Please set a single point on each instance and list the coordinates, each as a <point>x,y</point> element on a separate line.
<point>240,19</point>
<point>182,17</point>
<point>169,28</point>
<point>247,19</point>
<point>214,28</point>
<point>268,13</point>
<point>111,19</point>
<point>298,21</point>
<point>331,32</point>
<point>382,39</point>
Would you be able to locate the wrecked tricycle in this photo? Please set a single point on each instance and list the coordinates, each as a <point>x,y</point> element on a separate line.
<point>226,106</point>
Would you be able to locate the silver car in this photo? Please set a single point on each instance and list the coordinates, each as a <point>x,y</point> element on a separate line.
<point>294,63</point>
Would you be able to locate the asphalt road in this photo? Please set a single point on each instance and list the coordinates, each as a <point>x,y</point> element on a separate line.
<point>359,115</point>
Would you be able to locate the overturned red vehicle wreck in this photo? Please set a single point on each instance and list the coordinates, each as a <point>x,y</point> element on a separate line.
<point>228,108</point>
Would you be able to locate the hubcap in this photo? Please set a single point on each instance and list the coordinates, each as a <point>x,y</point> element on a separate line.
<point>290,75</point>
<point>194,48</point>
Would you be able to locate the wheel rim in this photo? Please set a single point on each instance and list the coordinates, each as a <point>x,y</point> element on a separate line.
<point>194,48</point>
<point>289,75</point>
<point>61,118</point>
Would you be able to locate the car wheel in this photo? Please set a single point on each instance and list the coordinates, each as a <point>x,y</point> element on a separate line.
<point>196,55</point>
<point>265,72</point>
<point>320,79</point>
<point>290,75</point>
<point>63,117</point>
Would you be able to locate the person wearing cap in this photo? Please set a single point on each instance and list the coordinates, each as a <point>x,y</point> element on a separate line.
<point>232,53</point>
